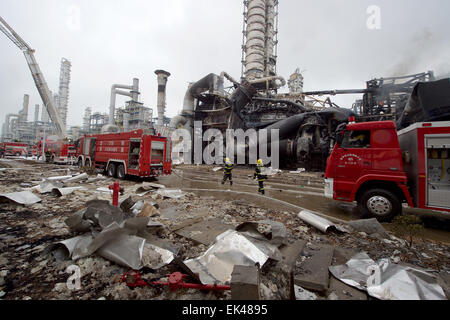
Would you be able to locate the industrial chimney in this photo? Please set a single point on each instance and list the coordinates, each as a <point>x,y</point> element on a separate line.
<point>23,114</point>
<point>162,82</point>
<point>36,113</point>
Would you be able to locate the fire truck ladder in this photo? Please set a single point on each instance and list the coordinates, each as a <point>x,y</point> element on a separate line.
<point>38,77</point>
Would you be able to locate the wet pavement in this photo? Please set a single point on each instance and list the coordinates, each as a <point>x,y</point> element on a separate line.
<point>29,272</point>
<point>304,190</point>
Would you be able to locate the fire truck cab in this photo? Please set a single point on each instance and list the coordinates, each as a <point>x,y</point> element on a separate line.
<point>381,169</point>
<point>129,153</point>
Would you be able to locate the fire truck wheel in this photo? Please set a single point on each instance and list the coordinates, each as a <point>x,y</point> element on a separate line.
<point>87,163</point>
<point>121,172</point>
<point>112,170</point>
<point>80,163</point>
<point>380,204</point>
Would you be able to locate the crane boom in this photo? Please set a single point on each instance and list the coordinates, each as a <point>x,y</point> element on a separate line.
<point>38,77</point>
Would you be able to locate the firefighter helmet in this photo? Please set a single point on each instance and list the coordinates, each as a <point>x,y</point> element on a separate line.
<point>260,162</point>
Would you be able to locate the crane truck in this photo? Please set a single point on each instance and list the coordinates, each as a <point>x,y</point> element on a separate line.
<point>381,169</point>
<point>38,77</point>
<point>42,87</point>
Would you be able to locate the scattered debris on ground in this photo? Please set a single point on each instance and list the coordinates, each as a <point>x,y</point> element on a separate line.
<point>260,253</point>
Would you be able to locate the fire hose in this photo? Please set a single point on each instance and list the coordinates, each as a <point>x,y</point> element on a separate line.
<point>133,280</point>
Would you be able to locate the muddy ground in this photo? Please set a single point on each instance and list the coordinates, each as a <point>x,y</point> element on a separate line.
<point>29,271</point>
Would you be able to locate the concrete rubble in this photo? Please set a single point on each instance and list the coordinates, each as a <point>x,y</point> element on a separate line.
<point>262,251</point>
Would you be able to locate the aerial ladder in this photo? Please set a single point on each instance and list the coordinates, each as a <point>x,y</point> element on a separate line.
<point>38,77</point>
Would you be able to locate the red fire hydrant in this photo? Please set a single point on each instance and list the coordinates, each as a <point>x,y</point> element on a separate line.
<point>116,189</point>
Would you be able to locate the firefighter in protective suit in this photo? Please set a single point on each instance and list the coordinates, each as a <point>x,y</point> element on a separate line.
<point>261,177</point>
<point>227,172</point>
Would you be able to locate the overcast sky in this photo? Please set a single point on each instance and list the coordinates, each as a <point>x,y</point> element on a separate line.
<point>118,40</point>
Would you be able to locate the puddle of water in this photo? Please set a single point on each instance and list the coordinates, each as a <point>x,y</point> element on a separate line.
<point>427,233</point>
<point>307,201</point>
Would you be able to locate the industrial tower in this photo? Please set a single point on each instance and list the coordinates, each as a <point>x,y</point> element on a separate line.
<point>260,39</point>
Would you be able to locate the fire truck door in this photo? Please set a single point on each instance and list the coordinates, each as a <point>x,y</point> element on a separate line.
<point>353,160</point>
<point>86,145</point>
<point>157,153</point>
<point>438,170</point>
<point>134,153</point>
<point>93,142</point>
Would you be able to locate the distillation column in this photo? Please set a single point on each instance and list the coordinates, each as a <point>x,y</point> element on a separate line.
<point>64,81</point>
<point>269,56</point>
<point>255,35</point>
<point>260,38</point>
<point>23,130</point>
<point>87,119</point>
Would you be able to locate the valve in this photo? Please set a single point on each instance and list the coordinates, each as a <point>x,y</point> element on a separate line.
<point>175,281</point>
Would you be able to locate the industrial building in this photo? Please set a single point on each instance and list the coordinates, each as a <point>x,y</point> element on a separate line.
<point>256,102</point>
<point>133,115</point>
<point>17,127</point>
<point>308,122</point>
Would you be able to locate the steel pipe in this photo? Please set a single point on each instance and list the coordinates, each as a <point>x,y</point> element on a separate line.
<point>134,94</point>
<point>269,79</point>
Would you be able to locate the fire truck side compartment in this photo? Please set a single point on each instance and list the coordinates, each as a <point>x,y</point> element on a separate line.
<point>408,143</point>
<point>428,187</point>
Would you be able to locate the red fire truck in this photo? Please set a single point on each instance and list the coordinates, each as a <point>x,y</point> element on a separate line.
<point>34,151</point>
<point>381,169</point>
<point>14,148</point>
<point>58,151</point>
<point>130,153</point>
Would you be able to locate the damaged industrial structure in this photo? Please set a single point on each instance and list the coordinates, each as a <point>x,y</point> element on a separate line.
<point>307,125</point>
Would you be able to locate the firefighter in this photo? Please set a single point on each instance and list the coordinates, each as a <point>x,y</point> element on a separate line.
<point>360,141</point>
<point>227,172</point>
<point>261,177</point>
